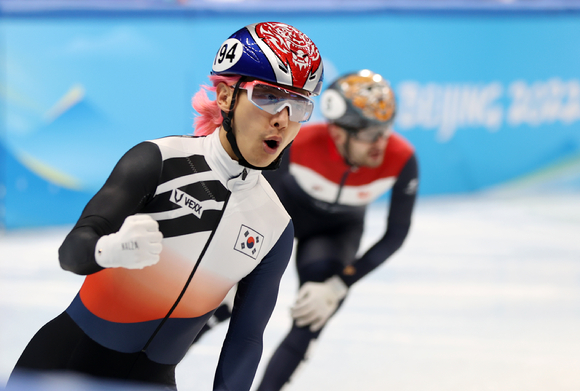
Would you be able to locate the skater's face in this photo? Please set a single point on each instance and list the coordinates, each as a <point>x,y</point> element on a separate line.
<point>361,151</point>
<point>260,135</point>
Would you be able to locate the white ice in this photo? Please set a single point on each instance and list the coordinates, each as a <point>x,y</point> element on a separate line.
<point>483,296</point>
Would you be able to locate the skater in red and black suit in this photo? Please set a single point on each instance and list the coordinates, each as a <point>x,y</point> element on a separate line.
<point>333,171</point>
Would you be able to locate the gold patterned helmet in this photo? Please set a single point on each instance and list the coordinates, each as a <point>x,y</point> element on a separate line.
<point>359,100</point>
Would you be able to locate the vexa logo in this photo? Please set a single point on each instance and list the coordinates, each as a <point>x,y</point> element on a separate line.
<point>249,242</point>
<point>186,201</point>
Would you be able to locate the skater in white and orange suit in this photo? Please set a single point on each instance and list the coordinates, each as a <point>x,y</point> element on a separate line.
<point>180,221</point>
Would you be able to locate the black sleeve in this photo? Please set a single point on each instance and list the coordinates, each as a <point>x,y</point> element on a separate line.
<point>403,197</point>
<point>255,300</point>
<point>132,182</point>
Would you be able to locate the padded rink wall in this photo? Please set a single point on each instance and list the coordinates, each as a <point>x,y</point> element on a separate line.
<point>488,94</point>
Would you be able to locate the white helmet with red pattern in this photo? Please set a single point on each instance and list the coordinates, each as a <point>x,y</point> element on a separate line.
<point>274,52</point>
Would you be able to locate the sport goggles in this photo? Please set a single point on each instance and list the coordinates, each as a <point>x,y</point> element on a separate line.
<point>372,133</point>
<point>273,99</point>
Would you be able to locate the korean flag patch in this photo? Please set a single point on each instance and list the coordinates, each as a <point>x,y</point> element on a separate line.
<point>249,242</point>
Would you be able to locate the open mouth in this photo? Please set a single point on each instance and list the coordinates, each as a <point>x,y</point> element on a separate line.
<point>272,144</point>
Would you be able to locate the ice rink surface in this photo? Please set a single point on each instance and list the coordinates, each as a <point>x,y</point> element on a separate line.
<point>483,296</point>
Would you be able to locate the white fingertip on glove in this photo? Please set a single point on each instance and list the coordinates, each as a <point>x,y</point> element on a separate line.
<point>317,301</point>
<point>135,246</point>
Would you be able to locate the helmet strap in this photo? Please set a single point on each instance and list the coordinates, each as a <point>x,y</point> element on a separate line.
<point>227,124</point>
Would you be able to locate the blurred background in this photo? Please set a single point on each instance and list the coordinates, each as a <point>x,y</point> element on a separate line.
<point>485,294</point>
<point>488,91</point>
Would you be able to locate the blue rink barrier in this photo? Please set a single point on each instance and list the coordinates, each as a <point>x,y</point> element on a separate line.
<point>487,95</point>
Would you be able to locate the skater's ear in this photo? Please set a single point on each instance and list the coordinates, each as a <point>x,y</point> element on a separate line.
<point>338,135</point>
<point>224,97</point>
